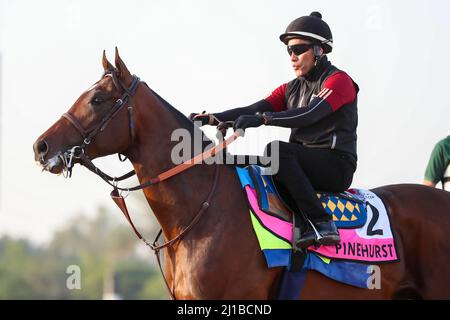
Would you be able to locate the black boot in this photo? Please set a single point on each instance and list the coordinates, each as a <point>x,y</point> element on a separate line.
<point>303,236</point>
<point>329,234</point>
<point>306,239</point>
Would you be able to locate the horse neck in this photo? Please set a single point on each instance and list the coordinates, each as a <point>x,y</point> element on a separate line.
<point>177,200</point>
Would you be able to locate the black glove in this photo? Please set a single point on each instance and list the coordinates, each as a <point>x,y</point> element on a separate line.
<point>203,118</point>
<point>248,121</point>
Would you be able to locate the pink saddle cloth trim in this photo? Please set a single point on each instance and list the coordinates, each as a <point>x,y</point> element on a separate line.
<point>352,247</point>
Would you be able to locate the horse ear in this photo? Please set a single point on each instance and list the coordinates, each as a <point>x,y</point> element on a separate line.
<point>122,70</point>
<point>106,65</point>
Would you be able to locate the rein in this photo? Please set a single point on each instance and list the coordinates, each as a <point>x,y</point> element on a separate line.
<point>78,152</point>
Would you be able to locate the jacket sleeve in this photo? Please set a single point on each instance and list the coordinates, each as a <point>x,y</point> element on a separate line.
<point>336,91</point>
<point>273,103</point>
<point>436,164</point>
<point>232,114</point>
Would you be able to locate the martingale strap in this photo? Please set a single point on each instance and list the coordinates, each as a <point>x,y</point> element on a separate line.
<point>120,200</point>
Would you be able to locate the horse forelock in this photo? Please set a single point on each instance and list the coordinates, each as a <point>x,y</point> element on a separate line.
<point>113,75</point>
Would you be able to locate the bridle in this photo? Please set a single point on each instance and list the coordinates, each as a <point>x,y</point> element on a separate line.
<point>78,153</point>
<point>88,135</point>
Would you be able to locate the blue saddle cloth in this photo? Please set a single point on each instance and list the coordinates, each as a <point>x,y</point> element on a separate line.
<point>351,273</point>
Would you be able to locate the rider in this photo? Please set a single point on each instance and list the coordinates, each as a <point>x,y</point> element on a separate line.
<point>320,107</point>
<point>438,168</point>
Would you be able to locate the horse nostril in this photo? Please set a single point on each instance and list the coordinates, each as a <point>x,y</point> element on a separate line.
<point>42,147</point>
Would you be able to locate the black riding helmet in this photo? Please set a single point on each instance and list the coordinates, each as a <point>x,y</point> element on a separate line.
<point>311,28</point>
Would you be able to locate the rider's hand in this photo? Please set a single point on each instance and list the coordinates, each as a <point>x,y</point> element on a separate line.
<point>248,121</point>
<point>203,118</point>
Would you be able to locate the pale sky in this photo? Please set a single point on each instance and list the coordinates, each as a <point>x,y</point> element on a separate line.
<point>211,55</point>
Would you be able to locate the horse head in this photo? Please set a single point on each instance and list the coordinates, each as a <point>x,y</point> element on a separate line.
<point>95,124</point>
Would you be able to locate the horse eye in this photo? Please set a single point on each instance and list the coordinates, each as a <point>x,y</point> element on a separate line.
<point>97,100</point>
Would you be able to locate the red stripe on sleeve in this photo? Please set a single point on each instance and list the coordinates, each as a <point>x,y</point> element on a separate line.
<point>343,90</point>
<point>277,98</point>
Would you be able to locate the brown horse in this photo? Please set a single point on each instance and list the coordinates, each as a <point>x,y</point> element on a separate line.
<point>219,257</point>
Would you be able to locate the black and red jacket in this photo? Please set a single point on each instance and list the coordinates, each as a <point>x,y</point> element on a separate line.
<point>321,109</point>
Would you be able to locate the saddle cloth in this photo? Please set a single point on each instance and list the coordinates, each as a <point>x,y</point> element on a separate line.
<point>360,216</point>
<point>347,210</point>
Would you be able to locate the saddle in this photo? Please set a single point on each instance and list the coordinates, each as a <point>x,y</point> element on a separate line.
<point>347,210</point>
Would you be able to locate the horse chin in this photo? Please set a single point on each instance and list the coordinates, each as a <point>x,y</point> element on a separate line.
<point>53,165</point>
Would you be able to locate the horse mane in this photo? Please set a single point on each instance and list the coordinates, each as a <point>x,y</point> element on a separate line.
<point>184,122</point>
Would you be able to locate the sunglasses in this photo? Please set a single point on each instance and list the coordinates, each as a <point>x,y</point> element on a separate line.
<point>298,49</point>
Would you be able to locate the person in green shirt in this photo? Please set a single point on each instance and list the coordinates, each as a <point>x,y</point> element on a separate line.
<point>438,168</point>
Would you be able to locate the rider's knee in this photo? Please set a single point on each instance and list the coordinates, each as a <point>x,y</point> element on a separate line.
<point>275,147</point>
